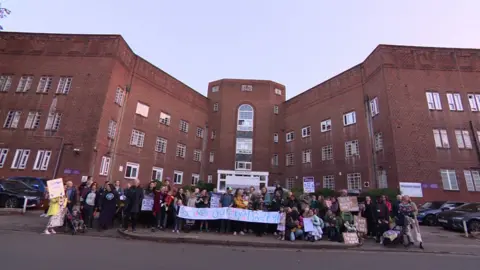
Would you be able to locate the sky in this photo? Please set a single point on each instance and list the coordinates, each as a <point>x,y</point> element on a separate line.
<point>298,43</point>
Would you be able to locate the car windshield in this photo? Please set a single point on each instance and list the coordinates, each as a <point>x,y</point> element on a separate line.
<point>431,205</point>
<point>470,207</point>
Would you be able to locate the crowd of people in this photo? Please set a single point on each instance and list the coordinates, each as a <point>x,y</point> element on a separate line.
<point>111,202</point>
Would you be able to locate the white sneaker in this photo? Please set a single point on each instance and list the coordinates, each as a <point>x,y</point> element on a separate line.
<point>43,215</point>
<point>234,233</point>
<point>275,233</point>
<point>242,233</point>
<point>46,232</point>
<point>173,231</point>
<point>53,231</point>
<point>178,231</point>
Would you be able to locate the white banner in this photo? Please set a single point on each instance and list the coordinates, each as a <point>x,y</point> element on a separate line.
<point>229,213</point>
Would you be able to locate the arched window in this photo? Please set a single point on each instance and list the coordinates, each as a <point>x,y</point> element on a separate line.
<point>245,118</point>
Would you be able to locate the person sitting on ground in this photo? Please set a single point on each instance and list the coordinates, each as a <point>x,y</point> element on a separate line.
<point>332,226</point>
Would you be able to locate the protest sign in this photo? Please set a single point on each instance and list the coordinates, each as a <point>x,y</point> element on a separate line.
<point>229,213</point>
<point>308,184</point>
<point>55,188</point>
<point>348,204</point>
<point>147,203</point>
<point>350,238</point>
<point>308,225</point>
<point>360,224</point>
<point>215,200</point>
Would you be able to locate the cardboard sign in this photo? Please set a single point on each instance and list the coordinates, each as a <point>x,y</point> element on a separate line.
<point>56,188</point>
<point>308,225</point>
<point>360,224</point>
<point>147,203</point>
<point>348,204</point>
<point>350,238</point>
<point>308,184</point>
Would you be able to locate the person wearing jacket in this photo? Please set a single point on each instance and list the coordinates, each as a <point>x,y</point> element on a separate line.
<point>226,200</point>
<point>368,214</point>
<point>56,212</point>
<point>381,217</point>
<point>239,202</point>
<point>107,206</point>
<point>90,203</point>
<point>203,202</point>
<point>133,205</point>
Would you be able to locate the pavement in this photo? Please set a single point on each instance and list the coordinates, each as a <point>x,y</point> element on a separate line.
<point>62,252</point>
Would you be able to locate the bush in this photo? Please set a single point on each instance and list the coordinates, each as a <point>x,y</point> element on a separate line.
<point>325,192</point>
<point>200,185</point>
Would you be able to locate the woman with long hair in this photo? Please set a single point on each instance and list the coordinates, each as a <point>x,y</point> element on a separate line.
<point>56,212</point>
<point>108,207</point>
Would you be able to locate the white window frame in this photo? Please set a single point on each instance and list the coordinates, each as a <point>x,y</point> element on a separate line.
<point>213,135</point>
<point>24,84</point>
<point>472,180</point>
<point>329,182</point>
<point>290,136</point>
<point>243,165</point>
<point>247,88</point>
<point>45,84</point>
<point>33,120</point>
<point>327,152</point>
<point>352,149</point>
<point>278,91</point>
<point>161,145</point>
<point>433,101</point>
<point>382,179</point>
<point>289,159</point>
<point>307,156</point>
<point>165,118</point>
<point>378,141</point>
<point>374,106</point>
<point>53,121</point>
<point>105,165</point>
<point>177,177</point>
<point>349,118</point>
<point>12,119</point>
<point>244,146</point>
<point>142,109</point>
<point>276,109</point>
<point>440,137</point>
<point>215,88</point>
<point>134,170</point>
<point>200,132</point>
<point>326,125</point>
<point>112,129</point>
<point>209,179</point>
<point>354,181</point>
<point>195,179</point>
<point>64,85</point>
<point>215,107</point>
<point>20,159</point>
<point>455,102</point>
<point>463,139</point>
<point>474,101</point>
<point>3,156</point>
<point>137,138</point>
<point>449,180</point>
<point>181,151</point>
<point>197,155</point>
<point>158,172</point>
<point>275,137</point>
<point>275,160</point>
<point>183,126</point>
<point>306,132</point>
<point>5,83</point>
<point>211,157</point>
<point>42,160</point>
<point>290,183</point>
<point>119,96</point>
<point>245,123</point>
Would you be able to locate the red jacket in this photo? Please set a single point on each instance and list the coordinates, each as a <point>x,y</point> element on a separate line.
<point>158,199</point>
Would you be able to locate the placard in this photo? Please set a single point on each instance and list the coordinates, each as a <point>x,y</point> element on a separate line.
<point>308,184</point>
<point>360,224</point>
<point>308,225</point>
<point>147,203</point>
<point>350,238</point>
<point>55,188</point>
<point>235,214</point>
<point>215,200</point>
<point>348,204</point>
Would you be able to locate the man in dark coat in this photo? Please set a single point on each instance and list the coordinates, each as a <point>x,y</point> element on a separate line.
<point>133,204</point>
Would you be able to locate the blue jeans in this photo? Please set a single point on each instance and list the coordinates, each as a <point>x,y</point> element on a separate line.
<point>296,234</point>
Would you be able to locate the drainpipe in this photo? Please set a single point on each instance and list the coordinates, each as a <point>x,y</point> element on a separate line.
<point>475,140</point>
<point>371,135</point>
<point>59,157</point>
<point>205,156</point>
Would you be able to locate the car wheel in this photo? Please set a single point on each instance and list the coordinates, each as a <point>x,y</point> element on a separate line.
<point>429,220</point>
<point>11,203</point>
<point>474,227</point>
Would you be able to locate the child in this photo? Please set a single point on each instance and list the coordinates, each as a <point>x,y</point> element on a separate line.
<point>317,225</point>
<point>281,225</point>
<point>177,221</point>
<point>76,220</point>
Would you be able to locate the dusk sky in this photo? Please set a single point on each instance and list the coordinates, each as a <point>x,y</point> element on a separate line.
<point>297,43</point>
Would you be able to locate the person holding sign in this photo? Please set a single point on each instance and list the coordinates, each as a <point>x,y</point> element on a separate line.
<point>56,212</point>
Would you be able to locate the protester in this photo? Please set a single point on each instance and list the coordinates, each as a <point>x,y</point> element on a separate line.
<point>108,206</point>
<point>239,202</point>
<point>181,196</point>
<point>46,199</point>
<point>382,218</point>
<point>408,212</point>
<point>118,188</point>
<point>334,207</point>
<point>368,214</point>
<point>158,200</point>
<point>166,208</point>
<point>71,193</point>
<point>226,200</point>
<point>90,203</point>
<point>177,226</point>
<point>133,204</point>
<point>318,225</point>
<point>203,202</point>
<point>56,212</point>
<point>282,224</point>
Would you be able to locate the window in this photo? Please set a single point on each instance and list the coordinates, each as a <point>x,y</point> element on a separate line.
<point>13,117</point>
<point>142,109</point>
<point>441,138</point>
<point>327,152</point>
<point>64,85</point>
<point>5,83</point>
<point>181,150</point>
<point>278,91</point>
<point>20,159</point>
<point>275,160</point>
<point>209,179</point>
<point>243,165</point>
<point>449,179</point>
<point>378,141</point>
<point>329,182</point>
<point>454,102</point>
<point>33,120</point>
<point>138,138</point>
<point>382,179</point>
<point>3,156</point>
<point>45,84</point>
<point>289,159</point>
<point>183,126</point>
<point>290,136</point>
<point>165,119</point>
<point>119,96</point>
<point>473,100</point>
<point>275,109</point>
<point>349,118</point>
<point>215,88</point>
<point>195,179</point>
<point>247,88</point>
<point>131,170</point>
<point>53,121</point>
<point>351,149</point>
<point>290,183</point>
<point>157,174</point>
<point>275,137</point>
<point>197,155</point>
<point>326,125</point>
<point>306,131</point>
<point>211,158</point>
<point>354,181</point>
<point>177,177</point>
<point>112,129</point>
<point>245,118</point>
<point>307,156</point>
<point>215,107</point>
<point>105,166</point>
<point>42,160</point>
<point>472,180</point>
<point>214,135</point>
<point>25,83</point>
<point>433,101</point>
<point>463,139</point>
<point>199,132</point>
<point>374,106</point>
<point>161,145</point>
<point>244,146</point>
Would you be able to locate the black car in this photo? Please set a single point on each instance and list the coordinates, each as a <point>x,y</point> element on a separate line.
<point>13,194</point>
<point>427,213</point>
<point>468,213</point>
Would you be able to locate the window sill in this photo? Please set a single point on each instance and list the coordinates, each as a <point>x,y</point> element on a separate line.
<point>452,190</point>
<point>41,93</point>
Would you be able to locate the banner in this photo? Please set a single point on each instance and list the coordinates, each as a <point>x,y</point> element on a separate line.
<point>147,203</point>
<point>308,184</point>
<point>235,214</point>
<point>55,188</point>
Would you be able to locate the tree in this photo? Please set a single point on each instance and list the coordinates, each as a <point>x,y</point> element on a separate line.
<point>3,13</point>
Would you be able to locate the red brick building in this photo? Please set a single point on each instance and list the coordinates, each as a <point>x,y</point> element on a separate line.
<point>86,105</point>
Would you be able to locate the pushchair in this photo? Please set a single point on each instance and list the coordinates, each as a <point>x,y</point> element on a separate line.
<point>75,222</point>
<point>394,236</point>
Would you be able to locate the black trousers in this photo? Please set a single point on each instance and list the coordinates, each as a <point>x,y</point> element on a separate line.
<point>130,217</point>
<point>88,215</point>
<point>225,226</point>
<point>380,229</point>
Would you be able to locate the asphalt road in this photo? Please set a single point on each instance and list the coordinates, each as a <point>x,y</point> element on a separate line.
<point>26,250</point>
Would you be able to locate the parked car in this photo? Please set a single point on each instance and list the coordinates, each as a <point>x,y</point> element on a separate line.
<point>35,182</point>
<point>427,213</point>
<point>453,219</point>
<point>13,194</point>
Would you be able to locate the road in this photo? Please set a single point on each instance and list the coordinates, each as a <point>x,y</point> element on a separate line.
<point>27,250</point>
